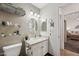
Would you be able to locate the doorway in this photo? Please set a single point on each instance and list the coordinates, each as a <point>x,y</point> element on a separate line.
<point>71,26</point>
<point>69,23</point>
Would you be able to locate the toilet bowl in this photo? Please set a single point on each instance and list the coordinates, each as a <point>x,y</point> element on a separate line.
<point>12,50</point>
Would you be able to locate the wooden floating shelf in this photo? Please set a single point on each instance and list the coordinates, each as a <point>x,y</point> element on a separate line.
<point>8,29</point>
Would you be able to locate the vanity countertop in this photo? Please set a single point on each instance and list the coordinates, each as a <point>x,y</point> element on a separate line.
<point>32,41</point>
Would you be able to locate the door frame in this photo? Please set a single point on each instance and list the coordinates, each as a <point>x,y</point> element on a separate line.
<point>62,28</point>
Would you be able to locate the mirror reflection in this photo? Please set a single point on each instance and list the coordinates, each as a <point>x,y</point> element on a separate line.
<point>44,26</point>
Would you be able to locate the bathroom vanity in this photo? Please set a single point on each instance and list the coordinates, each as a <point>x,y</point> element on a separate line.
<point>34,47</point>
<point>37,46</point>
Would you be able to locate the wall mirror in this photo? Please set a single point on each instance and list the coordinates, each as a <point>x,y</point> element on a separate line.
<point>44,26</point>
<point>33,26</point>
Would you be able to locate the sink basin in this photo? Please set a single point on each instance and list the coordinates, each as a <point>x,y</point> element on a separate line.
<point>34,40</point>
<point>37,37</point>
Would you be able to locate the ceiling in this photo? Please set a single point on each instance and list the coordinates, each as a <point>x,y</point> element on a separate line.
<point>39,5</point>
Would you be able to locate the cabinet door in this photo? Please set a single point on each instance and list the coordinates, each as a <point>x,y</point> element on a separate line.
<point>45,47</point>
<point>37,50</point>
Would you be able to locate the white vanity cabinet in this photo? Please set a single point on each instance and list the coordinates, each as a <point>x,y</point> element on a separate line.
<point>39,49</point>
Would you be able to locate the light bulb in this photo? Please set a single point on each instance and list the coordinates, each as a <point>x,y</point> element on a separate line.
<point>31,13</point>
<point>38,15</point>
<point>35,14</point>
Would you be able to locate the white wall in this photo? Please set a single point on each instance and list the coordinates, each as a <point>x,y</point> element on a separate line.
<point>51,11</point>
<point>22,20</point>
